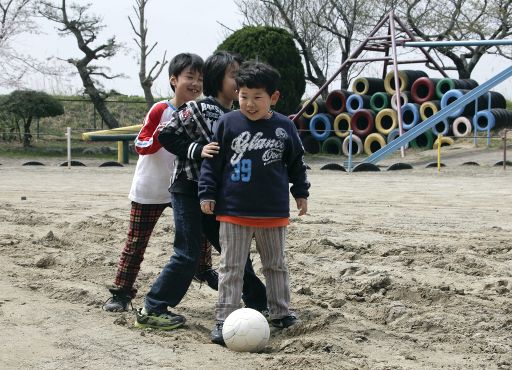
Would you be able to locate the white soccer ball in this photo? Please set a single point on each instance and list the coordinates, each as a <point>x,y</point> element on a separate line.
<point>246,330</point>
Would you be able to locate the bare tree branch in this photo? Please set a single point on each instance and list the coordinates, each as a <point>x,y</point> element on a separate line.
<point>146,78</point>
<point>75,20</point>
<point>17,18</point>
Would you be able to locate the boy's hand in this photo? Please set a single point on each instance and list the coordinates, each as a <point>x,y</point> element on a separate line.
<point>302,205</point>
<point>207,206</point>
<point>209,150</point>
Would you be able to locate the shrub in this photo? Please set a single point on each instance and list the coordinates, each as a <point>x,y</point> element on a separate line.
<point>276,47</point>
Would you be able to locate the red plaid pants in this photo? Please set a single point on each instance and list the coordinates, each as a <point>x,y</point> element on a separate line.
<point>143,218</point>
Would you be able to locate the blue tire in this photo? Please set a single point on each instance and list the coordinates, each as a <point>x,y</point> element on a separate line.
<point>320,119</point>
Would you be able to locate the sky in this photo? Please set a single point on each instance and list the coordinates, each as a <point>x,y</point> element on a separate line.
<point>177,26</point>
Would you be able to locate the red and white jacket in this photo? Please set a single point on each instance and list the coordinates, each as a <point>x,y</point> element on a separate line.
<point>155,165</point>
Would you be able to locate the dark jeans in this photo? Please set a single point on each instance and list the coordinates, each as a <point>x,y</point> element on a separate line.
<point>172,284</point>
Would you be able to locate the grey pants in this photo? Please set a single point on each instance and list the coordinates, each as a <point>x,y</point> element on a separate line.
<point>235,241</point>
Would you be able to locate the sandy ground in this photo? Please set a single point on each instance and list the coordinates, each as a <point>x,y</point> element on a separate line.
<point>389,270</point>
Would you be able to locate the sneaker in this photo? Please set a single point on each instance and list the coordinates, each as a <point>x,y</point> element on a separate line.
<point>285,322</point>
<point>119,302</point>
<point>216,334</point>
<point>163,321</point>
<point>210,276</point>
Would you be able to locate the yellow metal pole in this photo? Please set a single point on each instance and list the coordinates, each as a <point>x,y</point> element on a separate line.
<point>439,138</point>
<point>119,152</point>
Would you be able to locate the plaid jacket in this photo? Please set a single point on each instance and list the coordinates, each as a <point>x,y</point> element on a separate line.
<point>187,132</point>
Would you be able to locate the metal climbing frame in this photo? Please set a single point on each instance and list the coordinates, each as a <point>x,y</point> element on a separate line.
<point>385,44</point>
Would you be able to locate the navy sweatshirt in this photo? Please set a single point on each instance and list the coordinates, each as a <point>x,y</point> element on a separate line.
<point>257,160</point>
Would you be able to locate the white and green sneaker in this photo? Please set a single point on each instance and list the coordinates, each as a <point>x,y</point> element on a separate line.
<point>163,321</point>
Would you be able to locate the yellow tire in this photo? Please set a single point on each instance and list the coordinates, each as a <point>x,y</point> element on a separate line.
<point>342,124</point>
<point>386,121</point>
<point>445,141</point>
<point>371,140</point>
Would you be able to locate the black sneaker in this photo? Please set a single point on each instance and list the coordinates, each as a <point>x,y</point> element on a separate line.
<point>216,335</point>
<point>163,321</point>
<point>210,276</point>
<point>119,302</point>
<point>285,322</point>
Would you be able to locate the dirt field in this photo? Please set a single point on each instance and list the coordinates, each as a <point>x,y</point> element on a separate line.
<point>389,270</point>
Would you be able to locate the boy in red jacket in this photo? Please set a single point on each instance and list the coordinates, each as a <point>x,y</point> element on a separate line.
<point>149,191</point>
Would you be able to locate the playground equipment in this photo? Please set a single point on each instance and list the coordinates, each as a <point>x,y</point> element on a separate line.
<point>422,88</point>
<point>123,136</point>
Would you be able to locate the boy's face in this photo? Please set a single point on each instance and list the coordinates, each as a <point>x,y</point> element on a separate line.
<point>188,85</point>
<point>229,88</point>
<point>255,103</point>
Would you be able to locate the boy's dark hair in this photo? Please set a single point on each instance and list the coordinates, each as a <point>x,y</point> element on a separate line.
<point>255,75</point>
<point>214,70</point>
<point>182,61</point>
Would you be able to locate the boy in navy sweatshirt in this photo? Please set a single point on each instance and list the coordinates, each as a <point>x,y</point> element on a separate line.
<point>247,186</point>
<point>188,135</point>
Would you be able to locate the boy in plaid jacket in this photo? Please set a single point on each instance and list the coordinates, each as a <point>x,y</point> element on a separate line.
<point>188,135</point>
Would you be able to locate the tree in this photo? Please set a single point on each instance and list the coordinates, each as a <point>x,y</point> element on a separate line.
<point>146,79</point>
<point>85,29</point>
<point>348,22</point>
<point>25,105</point>
<point>292,15</point>
<point>326,31</point>
<point>274,46</point>
<point>458,20</point>
<point>17,18</point>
